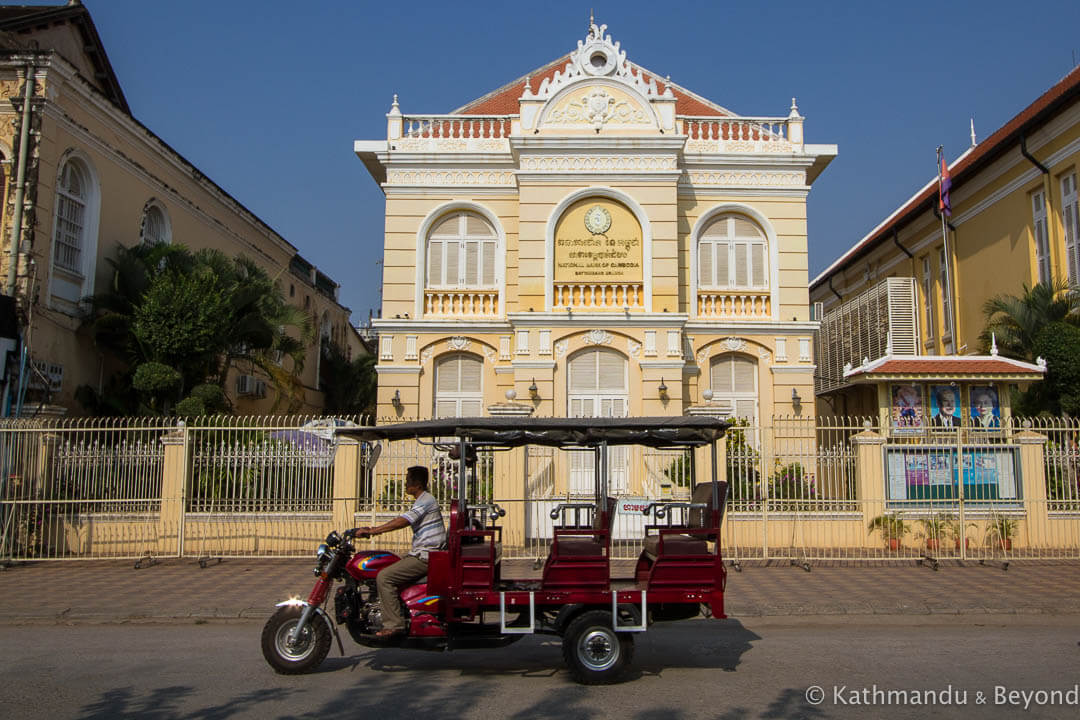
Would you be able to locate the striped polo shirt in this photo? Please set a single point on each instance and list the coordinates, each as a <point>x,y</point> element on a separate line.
<point>427,524</point>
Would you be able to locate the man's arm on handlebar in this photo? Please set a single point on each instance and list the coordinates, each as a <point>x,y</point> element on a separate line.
<point>395,524</point>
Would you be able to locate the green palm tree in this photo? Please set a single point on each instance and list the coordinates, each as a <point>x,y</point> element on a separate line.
<point>1016,321</point>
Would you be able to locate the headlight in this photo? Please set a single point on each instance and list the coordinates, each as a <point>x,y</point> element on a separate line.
<point>323,551</point>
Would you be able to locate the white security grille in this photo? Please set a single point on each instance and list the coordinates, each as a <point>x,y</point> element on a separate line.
<point>862,327</point>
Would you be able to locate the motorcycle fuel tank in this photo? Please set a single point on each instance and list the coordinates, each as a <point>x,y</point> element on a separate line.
<point>366,564</point>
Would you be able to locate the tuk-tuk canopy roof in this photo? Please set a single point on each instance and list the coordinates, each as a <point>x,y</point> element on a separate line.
<point>558,432</point>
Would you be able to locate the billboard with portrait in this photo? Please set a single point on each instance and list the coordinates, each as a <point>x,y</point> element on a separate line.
<point>908,412</point>
<point>944,407</point>
<point>985,408</point>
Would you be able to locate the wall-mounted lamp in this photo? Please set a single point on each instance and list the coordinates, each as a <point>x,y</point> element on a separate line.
<point>662,390</point>
<point>707,394</point>
<point>396,400</point>
<point>796,401</point>
<point>534,392</point>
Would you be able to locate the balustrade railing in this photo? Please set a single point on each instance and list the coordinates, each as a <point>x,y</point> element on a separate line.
<point>760,130</point>
<point>599,296</point>
<point>737,305</point>
<point>473,303</point>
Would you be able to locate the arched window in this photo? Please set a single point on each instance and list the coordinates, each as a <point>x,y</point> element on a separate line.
<point>733,380</point>
<point>597,387</point>
<point>72,195</point>
<point>155,225</point>
<point>461,252</point>
<point>74,234</point>
<point>732,254</point>
<point>459,388</point>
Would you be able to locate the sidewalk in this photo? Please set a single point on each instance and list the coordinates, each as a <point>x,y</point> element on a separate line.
<point>179,590</point>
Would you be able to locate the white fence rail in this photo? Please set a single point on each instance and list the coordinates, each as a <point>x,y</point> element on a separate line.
<point>801,489</point>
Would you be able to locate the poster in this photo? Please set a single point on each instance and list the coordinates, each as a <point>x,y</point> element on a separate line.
<point>944,407</point>
<point>908,414</point>
<point>985,408</point>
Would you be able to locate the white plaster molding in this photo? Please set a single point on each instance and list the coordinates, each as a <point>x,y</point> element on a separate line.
<point>734,344</point>
<point>561,347</point>
<point>533,365</point>
<point>663,364</point>
<point>535,164</point>
<point>749,178</point>
<point>398,369</point>
<point>783,369</point>
<point>597,336</point>
<point>425,177</point>
<point>458,342</point>
<point>633,347</point>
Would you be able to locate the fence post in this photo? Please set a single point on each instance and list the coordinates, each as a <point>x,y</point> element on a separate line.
<point>173,487</point>
<point>870,472</point>
<point>1033,485</point>
<point>347,468</point>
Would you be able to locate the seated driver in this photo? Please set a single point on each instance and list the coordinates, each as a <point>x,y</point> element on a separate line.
<point>428,534</point>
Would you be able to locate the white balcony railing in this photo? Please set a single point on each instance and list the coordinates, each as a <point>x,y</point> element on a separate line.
<point>599,296</point>
<point>761,134</point>
<point>453,133</point>
<point>465,303</point>
<point>734,304</point>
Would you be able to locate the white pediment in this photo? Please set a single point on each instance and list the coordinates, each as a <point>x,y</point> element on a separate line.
<point>595,104</point>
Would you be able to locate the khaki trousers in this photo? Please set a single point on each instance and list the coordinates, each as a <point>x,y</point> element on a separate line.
<point>389,581</point>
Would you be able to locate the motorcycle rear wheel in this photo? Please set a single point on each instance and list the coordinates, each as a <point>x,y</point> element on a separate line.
<point>309,650</point>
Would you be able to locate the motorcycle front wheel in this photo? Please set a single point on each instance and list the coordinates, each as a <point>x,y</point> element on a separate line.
<point>298,657</point>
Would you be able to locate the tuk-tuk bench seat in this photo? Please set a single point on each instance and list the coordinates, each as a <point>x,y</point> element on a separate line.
<point>580,546</point>
<point>675,544</point>
<point>476,553</point>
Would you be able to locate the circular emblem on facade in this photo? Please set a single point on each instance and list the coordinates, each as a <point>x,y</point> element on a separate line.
<point>597,220</point>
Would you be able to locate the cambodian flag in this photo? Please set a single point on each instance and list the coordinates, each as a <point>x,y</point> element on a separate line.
<point>944,186</point>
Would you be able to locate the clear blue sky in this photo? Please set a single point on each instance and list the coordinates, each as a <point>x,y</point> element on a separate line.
<point>267,97</point>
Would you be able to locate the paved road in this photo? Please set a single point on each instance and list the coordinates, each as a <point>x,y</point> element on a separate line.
<point>757,668</point>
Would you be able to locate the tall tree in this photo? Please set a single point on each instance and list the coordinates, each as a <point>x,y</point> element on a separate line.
<point>181,320</point>
<point>1016,321</point>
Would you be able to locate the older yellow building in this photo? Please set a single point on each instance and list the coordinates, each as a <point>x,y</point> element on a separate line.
<point>1015,222</point>
<point>594,240</point>
<point>82,176</point>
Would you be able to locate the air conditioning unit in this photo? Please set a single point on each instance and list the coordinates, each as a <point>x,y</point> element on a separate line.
<point>246,384</point>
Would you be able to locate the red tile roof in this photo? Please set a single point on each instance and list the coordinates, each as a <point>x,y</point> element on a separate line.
<point>965,168</point>
<point>504,101</point>
<point>934,365</point>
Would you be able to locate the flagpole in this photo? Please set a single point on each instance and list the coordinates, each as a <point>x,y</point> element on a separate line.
<point>948,258</point>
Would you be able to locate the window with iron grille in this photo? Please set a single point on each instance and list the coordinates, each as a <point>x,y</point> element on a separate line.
<point>733,380</point>
<point>70,218</point>
<point>155,229</point>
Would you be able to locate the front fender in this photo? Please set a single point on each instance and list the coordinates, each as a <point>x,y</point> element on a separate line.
<point>296,602</point>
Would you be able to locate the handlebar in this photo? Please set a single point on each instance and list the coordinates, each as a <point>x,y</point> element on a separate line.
<point>493,508</point>
<point>663,508</point>
<point>570,506</point>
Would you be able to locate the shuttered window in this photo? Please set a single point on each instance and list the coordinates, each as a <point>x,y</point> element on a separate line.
<point>734,383</point>
<point>928,297</point>
<point>70,219</point>
<point>731,255</point>
<point>946,301</point>
<point>461,252</point>
<point>459,386</point>
<point>1042,243</point>
<point>1070,219</point>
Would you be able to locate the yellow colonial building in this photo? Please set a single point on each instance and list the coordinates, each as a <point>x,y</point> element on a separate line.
<point>591,239</point>
<point>81,176</point>
<point>1015,222</point>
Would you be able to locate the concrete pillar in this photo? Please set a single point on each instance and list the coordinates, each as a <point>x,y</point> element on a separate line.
<point>347,473</point>
<point>870,471</point>
<point>170,533</point>
<point>1036,533</point>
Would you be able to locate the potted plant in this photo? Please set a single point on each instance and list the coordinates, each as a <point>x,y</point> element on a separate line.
<point>1000,530</point>
<point>953,530</point>
<point>933,528</point>
<point>892,529</point>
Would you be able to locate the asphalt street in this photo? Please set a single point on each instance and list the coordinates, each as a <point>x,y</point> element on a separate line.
<point>865,667</point>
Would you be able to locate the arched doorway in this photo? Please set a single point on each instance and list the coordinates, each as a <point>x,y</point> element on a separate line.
<point>597,387</point>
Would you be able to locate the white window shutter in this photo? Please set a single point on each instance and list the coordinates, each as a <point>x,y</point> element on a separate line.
<point>435,263</point>
<point>741,279</point>
<point>705,264</point>
<point>472,263</point>
<point>611,374</point>
<point>453,256</point>
<point>722,254</point>
<point>489,264</point>
<point>757,258</point>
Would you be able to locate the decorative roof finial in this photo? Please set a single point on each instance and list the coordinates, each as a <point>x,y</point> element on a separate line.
<point>973,143</point>
<point>993,344</point>
<point>591,20</point>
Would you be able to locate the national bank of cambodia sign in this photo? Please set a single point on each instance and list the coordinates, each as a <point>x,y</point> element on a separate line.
<point>598,240</point>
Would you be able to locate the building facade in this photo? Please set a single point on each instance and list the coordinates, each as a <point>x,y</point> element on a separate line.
<point>592,240</point>
<point>82,176</point>
<point>1014,222</point>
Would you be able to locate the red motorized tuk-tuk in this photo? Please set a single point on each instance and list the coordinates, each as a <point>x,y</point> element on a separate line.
<point>467,601</point>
